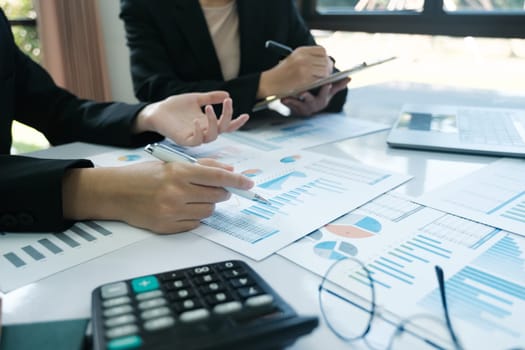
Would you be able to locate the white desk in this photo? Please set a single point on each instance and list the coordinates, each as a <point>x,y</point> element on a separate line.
<point>67,294</point>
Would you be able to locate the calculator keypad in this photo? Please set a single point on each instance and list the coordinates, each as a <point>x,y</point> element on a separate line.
<point>131,309</point>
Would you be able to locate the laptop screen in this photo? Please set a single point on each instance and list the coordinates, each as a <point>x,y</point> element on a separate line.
<point>441,122</point>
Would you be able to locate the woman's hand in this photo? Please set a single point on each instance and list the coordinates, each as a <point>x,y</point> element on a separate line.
<point>162,197</point>
<point>181,118</point>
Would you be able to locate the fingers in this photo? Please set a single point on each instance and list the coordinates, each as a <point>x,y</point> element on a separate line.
<point>309,104</point>
<point>213,163</point>
<point>316,58</point>
<point>238,122</point>
<point>339,85</point>
<point>212,131</point>
<point>196,137</point>
<point>297,106</point>
<point>211,98</point>
<point>315,50</point>
<point>206,194</point>
<point>226,116</point>
<point>226,124</point>
<point>176,227</point>
<point>212,176</point>
<point>323,97</point>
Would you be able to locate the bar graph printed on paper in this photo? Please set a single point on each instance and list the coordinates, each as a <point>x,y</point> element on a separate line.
<point>516,212</point>
<point>353,173</point>
<point>493,195</point>
<point>434,243</point>
<point>391,207</point>
<point>47,247</point>
<point>460,231</point>
<point>248,226</point>
<point>27,257</point>
<point>244,228</point>
<point>305,190</point>
<point>489,292</point>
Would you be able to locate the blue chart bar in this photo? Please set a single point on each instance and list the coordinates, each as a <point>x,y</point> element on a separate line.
<point>516,213</point>
<point>295,131</point>
<point>246,140</point>
<point>487,292</point>
<point>504,258</point>
<point>420,247</point>
<point>394,267</point>
<point>103,231</point>
<point>291,197</point>
<point>14,259</point>
<point>508,201</point>
<point>491,298</point>
<point>82,233</point>
<point>66,239</point>
<point>32,252</point>
<point>52,247</point>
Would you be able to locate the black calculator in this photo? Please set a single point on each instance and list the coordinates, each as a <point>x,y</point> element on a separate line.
<point>223,305</point>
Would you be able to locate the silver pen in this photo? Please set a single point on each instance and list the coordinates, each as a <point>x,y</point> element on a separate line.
<point>167,154</point>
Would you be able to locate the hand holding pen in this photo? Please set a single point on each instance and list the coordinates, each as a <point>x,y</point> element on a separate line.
<point>169,155</point>
<point>300,67</point>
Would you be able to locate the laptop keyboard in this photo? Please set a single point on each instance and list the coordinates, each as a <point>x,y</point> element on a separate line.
<point>491,127</point>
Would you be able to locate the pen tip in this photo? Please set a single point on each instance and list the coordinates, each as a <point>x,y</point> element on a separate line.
<point>261,199</point>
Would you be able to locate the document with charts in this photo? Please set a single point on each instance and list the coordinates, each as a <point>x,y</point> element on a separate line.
<point>306,190</point>
<point>29,257</point>
<point>400,242</point>
<point>287,133</point>
<point>493,195</point>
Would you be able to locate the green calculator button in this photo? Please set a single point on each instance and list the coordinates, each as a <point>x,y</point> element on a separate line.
<point>129,342</point>
<point>145,284</point>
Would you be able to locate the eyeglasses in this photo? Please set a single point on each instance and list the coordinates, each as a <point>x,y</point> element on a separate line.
<point>347,299</point>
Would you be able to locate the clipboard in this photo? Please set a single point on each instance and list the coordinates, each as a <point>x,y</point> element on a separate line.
<point>318,83</point>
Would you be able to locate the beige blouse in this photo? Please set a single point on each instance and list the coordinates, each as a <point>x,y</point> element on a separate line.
<point>223,24</point>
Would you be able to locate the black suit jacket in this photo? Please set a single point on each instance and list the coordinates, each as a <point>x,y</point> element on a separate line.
<point>171,50</point>
<point>31,189</point>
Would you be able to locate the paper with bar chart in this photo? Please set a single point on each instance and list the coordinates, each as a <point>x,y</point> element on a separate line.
<point>306,190</point>
<point>486,297</point>
<point>400,241</point>
<point>494,195</point>
<point>360,233</point>
<point>298,133</point>
<point>28,257</point>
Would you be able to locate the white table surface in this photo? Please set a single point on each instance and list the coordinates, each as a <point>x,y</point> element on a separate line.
<point>67,294</point>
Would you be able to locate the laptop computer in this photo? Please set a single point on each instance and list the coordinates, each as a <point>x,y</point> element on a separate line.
<point>463,129</point>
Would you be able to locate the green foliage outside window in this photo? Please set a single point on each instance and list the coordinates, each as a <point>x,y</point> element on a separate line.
<point>26,37</point>
<point>25,139</point>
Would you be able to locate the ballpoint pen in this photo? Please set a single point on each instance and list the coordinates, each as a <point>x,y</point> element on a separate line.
<point>278,48</point>
<point>167,154</point>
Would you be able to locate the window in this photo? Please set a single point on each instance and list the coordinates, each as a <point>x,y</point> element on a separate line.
<point>463,43</point>
<point>481,18</point>
<point>22,17</point>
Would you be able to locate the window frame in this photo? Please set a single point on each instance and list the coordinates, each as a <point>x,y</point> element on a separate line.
<point>432,20</point>
<point>25,22</point>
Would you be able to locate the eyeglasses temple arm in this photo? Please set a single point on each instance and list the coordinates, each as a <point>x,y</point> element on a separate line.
<point>441,282</point>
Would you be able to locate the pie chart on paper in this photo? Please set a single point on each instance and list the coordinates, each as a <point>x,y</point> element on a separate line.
<point>252,172</point>
<point>129,157</point>
<point>335,250</point>
<point>355,226</point>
